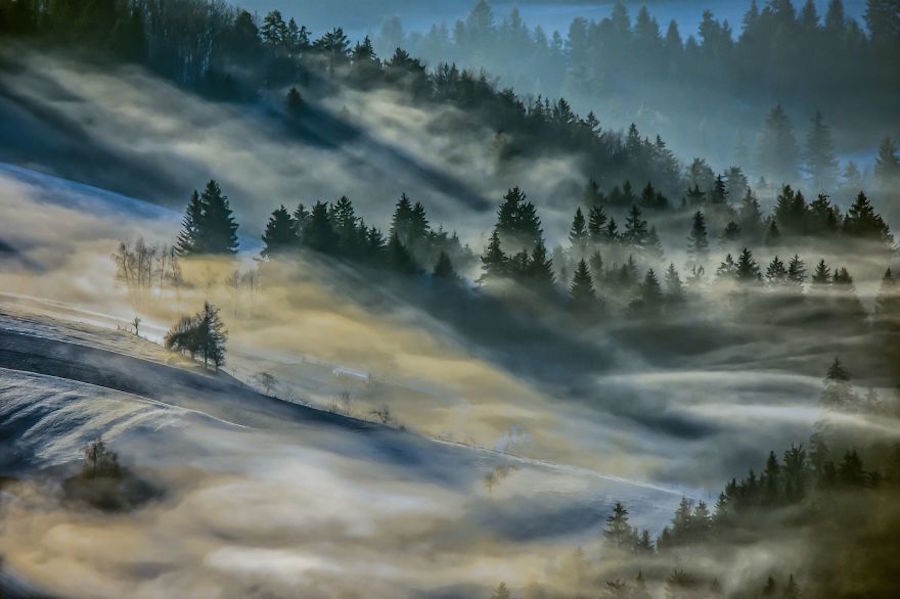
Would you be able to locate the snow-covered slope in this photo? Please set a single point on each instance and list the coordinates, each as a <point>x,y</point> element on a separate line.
<point>259,491</point>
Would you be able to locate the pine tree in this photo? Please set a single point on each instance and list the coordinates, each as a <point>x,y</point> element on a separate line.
<point>887,164</point>
<point>773,235</point>
<point>501,592</point>
<point>837,372</point>
<point>399,258</point>
<point>597,224</point>
<point>727,269</point>
<point>887,303</point>
<point>581,291</point>
<point>443,268</point>
<point>796,273</point>
<point>747,269</point>
<point>540,269</point>
<point>578,233</point>
<point>218,230</point>
<point>280,235</point>
<point>635,228</point>
<point>863,222</point>
<point>674,286</point>
<point>698,240</point>
<point>777,156</point>
<point>822,275</point>
<point>401,222</point>
<point>319,233</point>
<point>776,273</point>
<point>820,160</point>
<point>188,242</point>
<point>653,245</point>
<point>650,297</point>
<point>493,261</point>
<point>617,531</point>
<point>750,217</point>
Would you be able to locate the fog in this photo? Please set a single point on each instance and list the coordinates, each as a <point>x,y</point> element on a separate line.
<point>514,425</point>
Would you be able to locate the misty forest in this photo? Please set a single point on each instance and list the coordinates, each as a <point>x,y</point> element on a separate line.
<point>536,299</point>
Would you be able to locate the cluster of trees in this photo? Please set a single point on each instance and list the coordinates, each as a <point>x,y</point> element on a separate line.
<point>840,498</point>
<point>142,266</point>
<point>336,230</point>
<point>201,334</point>
<point>797,55</point>
<point>208,227</point>
<point>223,52</point>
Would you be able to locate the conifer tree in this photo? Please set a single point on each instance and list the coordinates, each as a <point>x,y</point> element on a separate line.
<point>796,272</point>
<point>597,224</point>
<point>698,240</point>
<point>319,233</point>
<point>280,235</point>
<point>887,164</point>
<point>493,261</point>
<point>578,233</point>
<point>188,242</point>
<point>863,222</point>
<point>820,160</point>
<point>649,298</point>
<point>674,286</point>
<point>399,258</point>
<point>617,531</point>
<point>636,230</point>
<point>777,155</point>
<point>581,290</point>
<point>540,269</point>
<point>822,274</point>
<point>727,269</point>
<point>776,273</point>
<point>747,269</point>
<point>443,268</point>
<point>218,229</point>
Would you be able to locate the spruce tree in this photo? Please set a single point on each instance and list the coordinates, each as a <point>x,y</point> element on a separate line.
<point>777,155</point>
<point>776,273</point>
<point>540,269</point>
<point>443,268</point>
<point>820,159</point>
<point>581,291</point>
<point>493,261</point>
<point>280,235</point>
<point>822,274</point>
<point>398,256</point>
<point>796,272</point>
<point>578,233</point>
<point>319,233</point>
<point>189,242</point>
<point>698,240</point>
<point>887,164</point>
<point>597,224</point>
<point>863,222</point>
<point>617,531</point>
<point>636,230</point>
<point>218,230</point>
<point>674,286</point>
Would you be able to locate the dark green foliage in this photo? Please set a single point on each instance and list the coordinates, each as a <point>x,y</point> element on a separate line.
<point>581,290</point>
<point>398,256</point>
<point>747,269</point>
<point>443,268</point>
<point>578,232</point>
<point>776,273</point>
<point>319,233</point>
<point>203,334</point>
<point>636,230</point>
<point>280,235</point>
<point>208,227</point>
<point>597,222</point>
<point>650,299</point>
<point>698,240</point>
<point>796,272</point>
<point>863,222</point>
<point>618,531</point>
<point>822,274</point>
